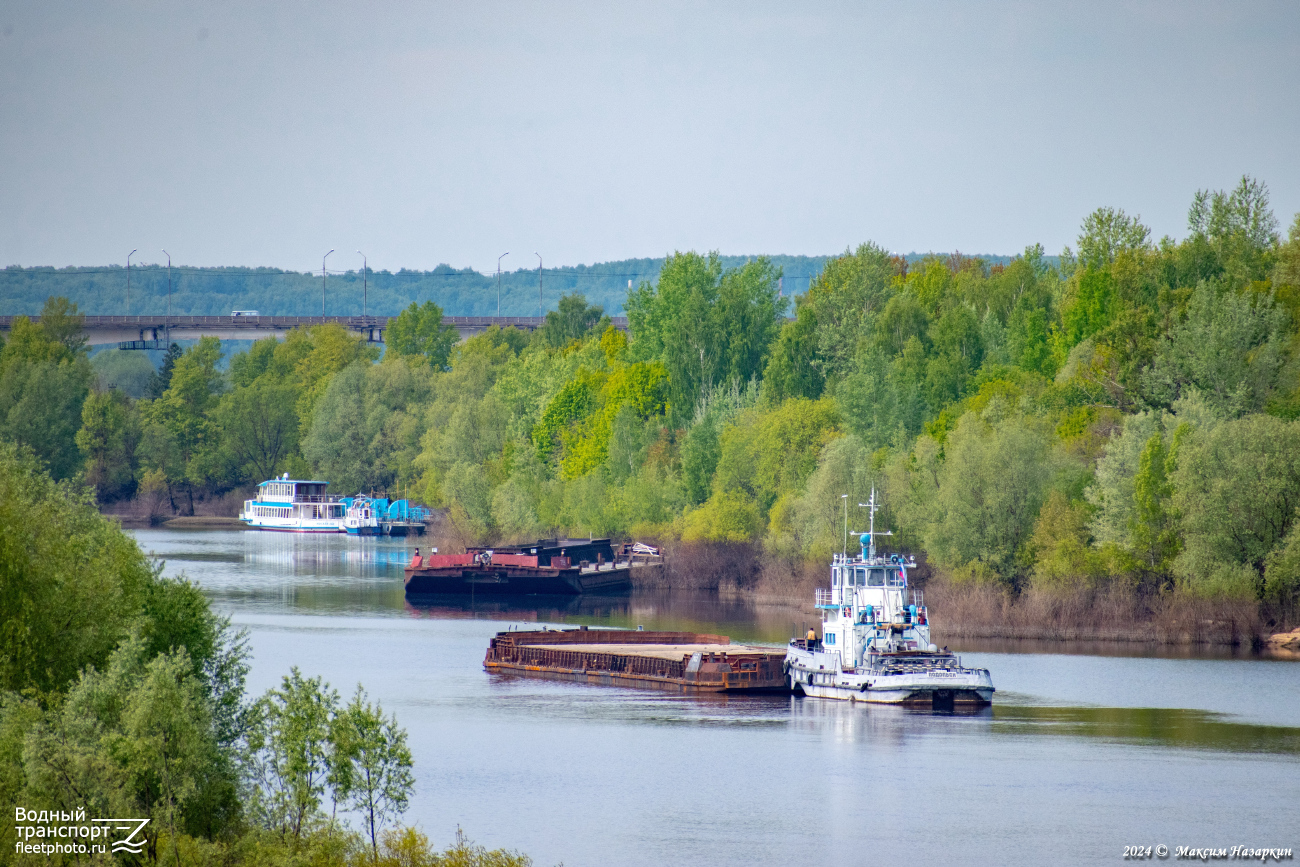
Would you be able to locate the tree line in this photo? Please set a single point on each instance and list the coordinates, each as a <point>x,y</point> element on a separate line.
<point>103,289</point>
<point>1122,415</point>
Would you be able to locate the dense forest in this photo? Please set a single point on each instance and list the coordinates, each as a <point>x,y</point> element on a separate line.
<point>1121,417</point>
<point>103,290</point>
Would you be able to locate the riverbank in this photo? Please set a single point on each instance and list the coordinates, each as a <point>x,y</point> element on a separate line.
<point>970,610</point>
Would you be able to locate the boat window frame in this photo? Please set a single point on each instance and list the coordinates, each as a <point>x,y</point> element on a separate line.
<point>877,571</point>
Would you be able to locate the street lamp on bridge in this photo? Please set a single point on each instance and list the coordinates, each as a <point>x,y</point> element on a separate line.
<point>322,282</point>
<point>365,266</point>
<point>167,323</point>
<point>499,258</point>
<point>128,282</point>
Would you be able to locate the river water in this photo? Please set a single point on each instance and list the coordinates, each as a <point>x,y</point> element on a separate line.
<point>1080,756</point>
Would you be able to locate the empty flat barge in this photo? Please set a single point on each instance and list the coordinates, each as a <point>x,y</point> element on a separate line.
<point>676,661</point>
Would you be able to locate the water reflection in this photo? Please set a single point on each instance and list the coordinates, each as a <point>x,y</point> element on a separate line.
<point>1150,726</point>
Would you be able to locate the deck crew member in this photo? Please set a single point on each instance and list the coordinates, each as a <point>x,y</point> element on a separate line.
<point>812,638</point>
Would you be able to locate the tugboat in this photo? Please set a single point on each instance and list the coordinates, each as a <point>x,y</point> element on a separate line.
<point>875,644</point>
<point>362,517</point>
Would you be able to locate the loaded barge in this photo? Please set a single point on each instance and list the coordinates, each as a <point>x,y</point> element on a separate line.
<point>687,662</point>
<point>563,567</point>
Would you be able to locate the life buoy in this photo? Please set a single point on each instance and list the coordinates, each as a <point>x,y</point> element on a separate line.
<point>847,611</point>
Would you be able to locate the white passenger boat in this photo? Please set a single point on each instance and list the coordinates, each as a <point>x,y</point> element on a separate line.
<point>875,644</point>
<point>295,506</point>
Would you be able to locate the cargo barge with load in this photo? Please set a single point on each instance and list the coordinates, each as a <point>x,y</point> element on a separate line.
<point>686,662</point>
<point>562,567</point>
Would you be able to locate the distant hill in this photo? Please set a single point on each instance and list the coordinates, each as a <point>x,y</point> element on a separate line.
<point>459,292</point>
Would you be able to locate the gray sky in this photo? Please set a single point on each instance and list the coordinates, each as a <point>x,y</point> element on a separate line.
<point>236,133</point>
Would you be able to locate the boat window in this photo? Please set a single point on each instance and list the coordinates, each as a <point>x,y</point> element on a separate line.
<point>860,577</point>
<point>835,577</point>
<point>877,578</point>
<point>895,578</point>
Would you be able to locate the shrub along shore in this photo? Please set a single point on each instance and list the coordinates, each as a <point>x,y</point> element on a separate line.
<point>122,694</point>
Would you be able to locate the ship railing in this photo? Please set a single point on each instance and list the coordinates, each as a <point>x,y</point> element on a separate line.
<point>822,598</point>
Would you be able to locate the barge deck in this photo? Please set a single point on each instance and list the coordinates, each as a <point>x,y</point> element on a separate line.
<point>687,662</point>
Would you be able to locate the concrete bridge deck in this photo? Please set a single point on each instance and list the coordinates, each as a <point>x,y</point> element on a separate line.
<point>120,329</point>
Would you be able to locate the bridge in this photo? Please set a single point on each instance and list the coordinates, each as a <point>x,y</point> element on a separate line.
<point>154,332</point>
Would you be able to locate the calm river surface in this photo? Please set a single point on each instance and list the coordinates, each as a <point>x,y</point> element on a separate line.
<point>1081,755</point>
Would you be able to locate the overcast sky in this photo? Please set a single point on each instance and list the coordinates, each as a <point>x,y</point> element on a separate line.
<point>261,133</point>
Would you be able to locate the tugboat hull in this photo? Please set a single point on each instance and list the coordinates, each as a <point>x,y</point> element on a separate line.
<point>939,681</point>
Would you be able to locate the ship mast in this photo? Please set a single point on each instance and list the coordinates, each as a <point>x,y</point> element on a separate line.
<point>872,506</point>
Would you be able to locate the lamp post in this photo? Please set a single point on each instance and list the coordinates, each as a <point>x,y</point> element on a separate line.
<point>365,266</point>
<point>167,323</point>
<point>539,284</point>
<point>322,283</point>
<point>499,258</point>
<point>128,282</point>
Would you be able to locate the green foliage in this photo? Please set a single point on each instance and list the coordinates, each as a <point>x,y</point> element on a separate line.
<point>1231,348</point>
<point>363,436</point>
<point>706,326</point>
<point>291,753</point>
<point>259,427</point>
<point>767,452</point>
<point>44,380</point>
<point>370,765</point>
<point>990,485</point>
<point>1153,525</point>
<point>418,331</point>
<point>573,320</point>
<point>1108,233</point>
<point>1236,489</point>
<point>109,436</point>
<point>71,584</point>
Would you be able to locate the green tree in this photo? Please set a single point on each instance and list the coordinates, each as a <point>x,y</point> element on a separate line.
<point>1238,228</point>
<point>705,326</point>
<point>844,300</point>
<point>1154,527</point>
<point>791,371</point>
<point>259,427</point>
<point>163,376</point>
<point>370,764</point>
<point>109,435</point>
<point>290,745</point>
<point>1107,233</point>
<point>573,320</point>
<point>418,331</point>
<point>184,440</point>
<point>991,484</point>
<point>71,582</point>
<point>44,380</point>
<point>1236,489</point>
<point>1230,348</point>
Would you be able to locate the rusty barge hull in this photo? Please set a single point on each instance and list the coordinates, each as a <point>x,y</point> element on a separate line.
<point>563,567</point>
<point>682,662</point>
